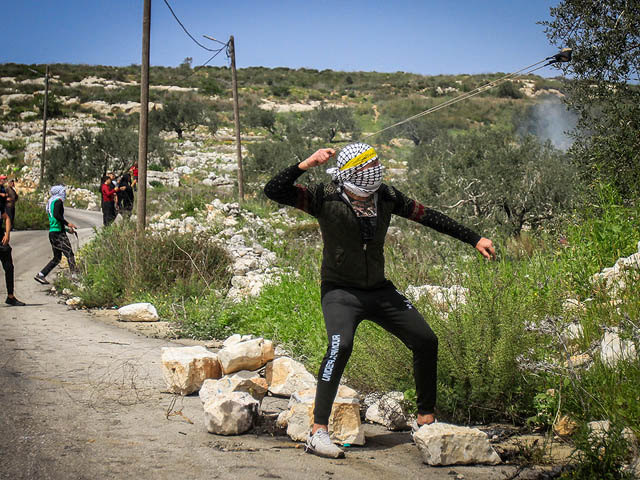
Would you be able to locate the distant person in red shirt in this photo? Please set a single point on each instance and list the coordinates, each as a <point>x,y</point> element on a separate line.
<point>134,175</point>
<point>108,200</point>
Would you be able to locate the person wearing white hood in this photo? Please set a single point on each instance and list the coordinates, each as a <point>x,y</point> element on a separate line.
<point>354,212</point>
<point>57,233</point>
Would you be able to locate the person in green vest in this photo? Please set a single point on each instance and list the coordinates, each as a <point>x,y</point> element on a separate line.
<point>57,233</point>
<point>354,211</point>
<point>5,257</point>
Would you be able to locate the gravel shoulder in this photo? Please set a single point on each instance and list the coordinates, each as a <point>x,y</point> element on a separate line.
<point>83,398</point>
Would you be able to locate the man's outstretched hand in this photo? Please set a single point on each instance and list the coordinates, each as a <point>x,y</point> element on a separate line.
<point>485,247</point>
<point>318,158</point>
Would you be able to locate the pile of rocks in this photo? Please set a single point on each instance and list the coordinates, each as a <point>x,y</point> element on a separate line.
<point>253,265</point>
<point>81,196</point>
<point>128,108</point>
<point>169,179</point>
<point>233,383</point>
<point>97,82</point>
<point>232,389</point>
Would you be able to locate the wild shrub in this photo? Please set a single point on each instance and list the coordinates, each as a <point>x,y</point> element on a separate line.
<point>210,86</point>
<point>255,116</point>
<point>179,201</point>
<point>509,90</point>
<point>54,105</point>
<point>30,215</point>
<point>118,266</point>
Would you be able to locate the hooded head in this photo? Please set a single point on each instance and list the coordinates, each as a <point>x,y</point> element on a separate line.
<point>358,169</point>
<point>58,192</point>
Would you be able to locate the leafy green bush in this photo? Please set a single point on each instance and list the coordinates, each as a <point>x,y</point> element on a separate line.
<point>280,90</point>
<point>509,90</point>
<point>54,105</point>
<point>255,116</point>
<point>210,86</point>
<point>30,215</point>
<point>117,266</point>
<point>13,146</point>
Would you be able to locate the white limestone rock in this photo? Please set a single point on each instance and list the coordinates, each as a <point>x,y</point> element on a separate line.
<point>387,411</point>
<point>249,355</point>
<point>74,301</point>
<point>138,312</point>
<point>230,413</point>
<point>170,179</point>
<point>446,444</point>
<point>186,368</point>
<point>599,429</point>
<point>243,381</point>
<point>236,338</point>
<point>613,348</point>
<point>15,98</point>
<point>613,278</point>
<point>286,376</point>
<point>345,427</point>
<point>444,298</point>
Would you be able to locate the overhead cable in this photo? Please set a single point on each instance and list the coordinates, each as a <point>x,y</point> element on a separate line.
<point>187,31</point>
<point>464,96</point>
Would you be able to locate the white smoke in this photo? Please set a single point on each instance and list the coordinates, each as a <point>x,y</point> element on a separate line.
<point>551,120</point>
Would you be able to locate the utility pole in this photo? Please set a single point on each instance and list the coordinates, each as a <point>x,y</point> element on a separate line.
<point>143,142</point>
<point>236,117</point>
<point>44,124</point>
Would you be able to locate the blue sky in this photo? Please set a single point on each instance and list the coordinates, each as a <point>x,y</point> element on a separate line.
<point>426,37</point>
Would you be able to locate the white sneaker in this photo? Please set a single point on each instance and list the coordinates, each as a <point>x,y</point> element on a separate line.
<point>415,427</point>
<point>320,444</point>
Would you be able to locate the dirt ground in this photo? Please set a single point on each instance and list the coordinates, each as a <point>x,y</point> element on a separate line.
<point>82,397</point>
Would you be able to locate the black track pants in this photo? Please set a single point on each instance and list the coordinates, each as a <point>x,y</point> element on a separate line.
<point>7,265</point>
<point>344,309</point>
<point>60,245</point>
<point>108,213</point>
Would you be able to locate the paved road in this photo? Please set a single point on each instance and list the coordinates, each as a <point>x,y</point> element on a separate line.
<point>83,399</point>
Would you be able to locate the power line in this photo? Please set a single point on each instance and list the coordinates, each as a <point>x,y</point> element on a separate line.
<point>187,31</point>
<point>226,47</point>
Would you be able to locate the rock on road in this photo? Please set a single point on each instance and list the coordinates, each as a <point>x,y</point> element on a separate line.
<point>83,399</point>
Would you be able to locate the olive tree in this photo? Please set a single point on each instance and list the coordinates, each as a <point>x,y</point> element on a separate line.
<point>325,122</point>
<point>86,156</point>
<point>492,178</point>
<point>605,38</point>
<point>182,113</point>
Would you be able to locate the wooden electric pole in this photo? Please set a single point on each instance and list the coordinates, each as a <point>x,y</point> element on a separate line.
<point>44,124</point>
<point>236,117</point>
<point>143,142</point>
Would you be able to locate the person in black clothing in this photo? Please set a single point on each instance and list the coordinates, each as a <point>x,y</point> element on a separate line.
<point>58,226</point>
<point>125,197</point>
<point>3,192</point>
<point>6,259</point>
<point>109,193</point>
<point>12,198</point>
<point>354,212</point>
